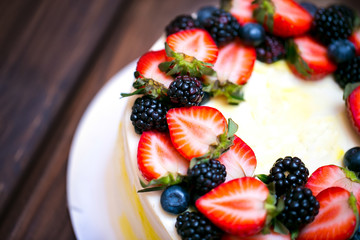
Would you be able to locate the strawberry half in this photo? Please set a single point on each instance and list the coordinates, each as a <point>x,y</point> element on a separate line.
<point>158,158</point>
<point>193,130</point>
<point>195,43</point>
<point>242,10</point>
<point>337,218</point>
<point>333,176</point>
<point>235,63</point>
<point>308,59</point>
<point>259,236</point>
<point>237,206</point>
<point>239,160</point>
<point>352,96</point>
<point>355,39</point>
<point>284,18</point>
<point>148,67</point>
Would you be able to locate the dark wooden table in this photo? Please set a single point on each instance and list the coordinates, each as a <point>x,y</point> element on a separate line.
<point>55,55</point>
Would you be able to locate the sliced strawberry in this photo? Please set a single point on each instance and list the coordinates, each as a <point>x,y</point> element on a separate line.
<point>259,236</point>
<point>333,176</point>
<point>308,59</point>
<point>336,220</point>
<point>235,62</point>
<point>239,160</point>
<point>193,130</point>
<point>237,206</point>
<point>157,157</point>
<point>196,43</point>
<point>148,67</point>
<point>284,18</point>
<point>355,39</point>
<point>242,10</point>
<point>353,106</point>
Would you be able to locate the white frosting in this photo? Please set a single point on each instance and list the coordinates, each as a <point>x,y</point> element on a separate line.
<point>281,116</point>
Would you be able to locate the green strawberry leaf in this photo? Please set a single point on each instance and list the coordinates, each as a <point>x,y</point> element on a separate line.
<point>183,64</point>
<point>264,13</point>
<point>223,143</point>
<point>231,91</point>
<point>161,183</point>
<point>147,86</point>
<point>293,57</point>
<point>349,88</point>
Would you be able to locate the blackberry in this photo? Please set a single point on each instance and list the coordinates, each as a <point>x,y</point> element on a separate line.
<point>180,23</point>
<point>186,91</point>
<point>348,72</point>
<point>194,225</point>
<point>346,12</point>
<point>222,26</point>
<point>206,176</point>
<point>148,114</point>
<point>301,207</point>
<point>330,24</point>
<point>288,173</point>
<point>272,49</point>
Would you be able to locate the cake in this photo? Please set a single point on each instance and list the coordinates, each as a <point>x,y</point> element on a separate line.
<point>288,108</point>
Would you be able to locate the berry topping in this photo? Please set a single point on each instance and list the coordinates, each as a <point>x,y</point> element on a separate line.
<point>284,18</point>
<point>222,26</point>
<point>301,207</point>
<point>206,176</point>
<point>180,23</point>
<point>186,91</point>
<point>331,24</point>
<point>193,225</point>
<point>148,64</point>
<point>193,130</point>
<point>148,114</point>
<point>353,103</point>
<point>346,12</point>
<point>310,7</point>
<point>196,43</point>
<point>239,160</point>
<point>235,63</point>
<point>348,72</point>
<point>355,39</point>
<point>341,50</point>
<point>242,10</point>
<point>333,176</point>
<point>352,159</point>
<point>204,13</point>
<point>157,157</point>
<point>252,34</point>
<point>175,199</point>
<point>337,217</point>
<point>271,50</point>
<point>260,236</point>
<point>237,206</point>
<point>287,173</point>
<point>308,59</point>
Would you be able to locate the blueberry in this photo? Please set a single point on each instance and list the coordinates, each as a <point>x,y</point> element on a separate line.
<point>175,199</point>
<point>204,13</point>
<point>356,236</point>
<point>341,50</point>
<point>252,34</point>
<point>352,159</point>
<point>310,7</point>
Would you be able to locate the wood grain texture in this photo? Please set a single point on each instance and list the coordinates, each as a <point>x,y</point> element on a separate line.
<point>54,57</point>
<point>43,54</point>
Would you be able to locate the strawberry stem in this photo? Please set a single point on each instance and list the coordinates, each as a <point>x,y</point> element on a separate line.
<point>231,91</point>
<point>147,86</point>
<point>349,88</point>
<point>161,183</point>
<point>185,65</point>
<point>224,142</point>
